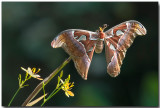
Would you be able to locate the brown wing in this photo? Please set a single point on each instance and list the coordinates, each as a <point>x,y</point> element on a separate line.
<point>80,45</point>
<point>118,39</point>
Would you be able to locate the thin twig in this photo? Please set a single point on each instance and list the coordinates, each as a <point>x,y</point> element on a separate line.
<point>46,80</point>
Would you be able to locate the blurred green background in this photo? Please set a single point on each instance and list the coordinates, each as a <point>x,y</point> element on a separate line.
<point>29,27</point>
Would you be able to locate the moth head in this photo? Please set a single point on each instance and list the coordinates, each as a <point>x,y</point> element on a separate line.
<point>140,29</point>
<point>101,29</point>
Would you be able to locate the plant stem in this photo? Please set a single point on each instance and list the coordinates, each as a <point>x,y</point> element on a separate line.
<point>14,96</point>
<point>46,80</point>
<point>50,96</point>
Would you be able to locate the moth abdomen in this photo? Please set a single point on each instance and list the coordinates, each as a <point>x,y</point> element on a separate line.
<point>99,46</point>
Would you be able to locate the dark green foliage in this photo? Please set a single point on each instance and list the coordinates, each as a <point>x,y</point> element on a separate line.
<point>29,27</point>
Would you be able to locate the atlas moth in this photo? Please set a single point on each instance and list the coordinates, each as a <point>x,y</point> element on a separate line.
<point>81,44</point>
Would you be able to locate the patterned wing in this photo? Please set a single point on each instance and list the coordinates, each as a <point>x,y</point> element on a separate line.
<point>118,39</point>
<point>80,45</point>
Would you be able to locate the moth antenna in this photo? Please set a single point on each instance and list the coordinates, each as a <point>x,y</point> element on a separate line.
<point>105,26</point>
<point>102,28</point>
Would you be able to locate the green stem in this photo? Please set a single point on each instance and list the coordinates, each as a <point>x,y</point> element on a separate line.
<point>50,96</point>
<point>14,96</point>
<point>43,103</point>
<point>44,90</point>
<point>46,80</point>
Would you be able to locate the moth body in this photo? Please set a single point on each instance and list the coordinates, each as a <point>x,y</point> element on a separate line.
<point>99,43</point>
<point>99,46</point>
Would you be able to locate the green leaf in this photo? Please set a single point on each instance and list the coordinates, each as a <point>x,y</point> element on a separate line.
<point>61,74</point>
<point>26,75</point>
<point>58,79</point>
<point>69,77</point>
<point>19,80</point>
<point>29,77</point>
<point>58,82</point>
<point>20,77</point>
<point>26,85</point>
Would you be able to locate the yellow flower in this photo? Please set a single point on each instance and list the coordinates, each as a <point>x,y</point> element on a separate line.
<point>67,87</point>
<point>32,72</point>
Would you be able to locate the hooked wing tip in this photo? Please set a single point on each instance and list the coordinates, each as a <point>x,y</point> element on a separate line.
<point>52,43</point>
<point>85,78</point>
<point>113,75</point>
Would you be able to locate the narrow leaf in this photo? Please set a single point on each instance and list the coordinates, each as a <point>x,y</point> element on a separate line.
<point>61,74</point>
<point>26,75</point>
<point>36,100</point>
<point>69,77</point>
<point>20,77</point>
<point>58,82</point>
<point>26,85</point>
